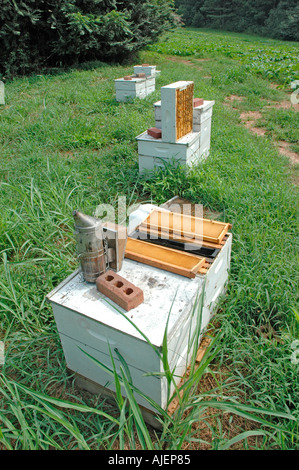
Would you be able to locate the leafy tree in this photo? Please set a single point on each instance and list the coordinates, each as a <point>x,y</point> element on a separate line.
<point>219,12</point>
<point>35,33</point>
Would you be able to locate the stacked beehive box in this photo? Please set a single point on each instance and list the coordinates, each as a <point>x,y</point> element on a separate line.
<point>202,123</point>
<point>139,85</point>
<point>182,128</point>
<point>93,329</point>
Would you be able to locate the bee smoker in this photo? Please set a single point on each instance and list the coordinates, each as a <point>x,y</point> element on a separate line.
<point>100,246</point>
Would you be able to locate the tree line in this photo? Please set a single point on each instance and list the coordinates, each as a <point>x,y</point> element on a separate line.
<point>275,18</point>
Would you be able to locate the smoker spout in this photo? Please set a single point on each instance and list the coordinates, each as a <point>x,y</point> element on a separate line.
<point>83,220</point>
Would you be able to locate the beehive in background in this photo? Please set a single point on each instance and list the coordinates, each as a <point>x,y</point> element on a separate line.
<point>139,85</point>
<point>184,126</point>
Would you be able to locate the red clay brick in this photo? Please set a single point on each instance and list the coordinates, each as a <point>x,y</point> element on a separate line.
<point>197,102</point>
<point>128,77</point>
<point>119,290</point>
<point>155,132</point>
<point>140,75</point>
<point>145,65</point>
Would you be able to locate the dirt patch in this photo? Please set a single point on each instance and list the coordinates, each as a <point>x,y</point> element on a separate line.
<point>249,119</point>
<point>284,149</point>
<point>202,60</point>
<point>67,154</point>
<point>285,104</point>
<point>207,426</point>
<point>258,131</point>
<point>234,98</point>
<point>230,100</point>
<point>251,116</point>
<point>187,62</point>
<point>181,61</point>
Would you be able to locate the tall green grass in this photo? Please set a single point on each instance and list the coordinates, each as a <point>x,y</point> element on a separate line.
<point>66,143</point>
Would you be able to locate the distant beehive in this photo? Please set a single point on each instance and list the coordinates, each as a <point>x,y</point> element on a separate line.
<point>139,85</point>
<point>182,128</point>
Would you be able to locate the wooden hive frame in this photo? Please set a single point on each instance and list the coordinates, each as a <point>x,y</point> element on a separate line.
<point>168,259</point>
<point>184,110</point>
<point>172,226</point>
<point>186,226</point>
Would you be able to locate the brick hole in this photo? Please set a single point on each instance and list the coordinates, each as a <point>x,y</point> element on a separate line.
<point>109,278</point>
<point>119,284</point>
<point>128,291</point>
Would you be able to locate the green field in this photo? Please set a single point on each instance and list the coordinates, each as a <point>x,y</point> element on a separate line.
<point>66,143</point>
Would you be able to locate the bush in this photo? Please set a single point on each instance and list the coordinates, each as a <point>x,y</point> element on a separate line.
<point>40,33</point>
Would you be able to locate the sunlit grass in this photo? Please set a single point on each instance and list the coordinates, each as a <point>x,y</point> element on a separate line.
<point>66,143</point>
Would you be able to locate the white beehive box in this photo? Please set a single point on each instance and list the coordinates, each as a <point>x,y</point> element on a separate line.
<point>130,89</point>
<point>90,323</point>
<point>149,70</point>
<point>202,114</point>
<point>150,85</point>
<point>154,152</point>
<point>158,114</point>
<point>202,123</point>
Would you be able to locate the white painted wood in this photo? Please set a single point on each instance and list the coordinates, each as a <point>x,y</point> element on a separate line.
<point>158,113</point>
<point>205,139</point>
<point>147,163</point>
<point>150,89</point>
<point>160,289</point>
<point>79,362</point>
<point>182,149</point>
<point>88,320</point>
<point>203,126</point>
<point>148,70</point>
<point>100,336</point>
<point>97,389</point>
<point>150,82</point>
<point>154,152</point>
<point>133,84</point>
<point>203,112</point>
<point>134,88</point>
